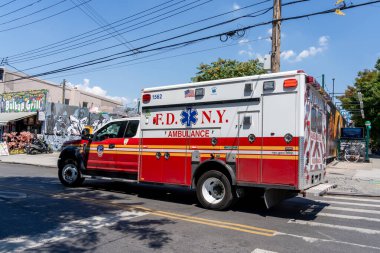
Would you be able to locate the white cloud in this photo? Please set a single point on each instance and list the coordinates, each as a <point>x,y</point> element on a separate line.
<point>323,41</point>
<point>291,56</point>
<point>243,41</point>
<point>311,51</point>
<point>97,90</point>
<point>236,6</point>
<point>287,54</point>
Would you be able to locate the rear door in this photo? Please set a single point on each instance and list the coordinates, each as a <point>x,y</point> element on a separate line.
<point>126,153</point>
<point>279,156</point>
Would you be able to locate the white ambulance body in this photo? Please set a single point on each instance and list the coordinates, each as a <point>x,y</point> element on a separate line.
<point>265,131</point>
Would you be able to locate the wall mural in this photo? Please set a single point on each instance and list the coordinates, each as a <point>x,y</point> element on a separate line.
<point>65,122</point>
<point>25,101</point>
<point>335,121</point>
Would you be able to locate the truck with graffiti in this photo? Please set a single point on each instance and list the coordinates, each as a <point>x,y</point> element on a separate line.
<point>265,132</point>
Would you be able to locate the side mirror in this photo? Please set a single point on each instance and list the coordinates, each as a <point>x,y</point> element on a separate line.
<point>85,135</point>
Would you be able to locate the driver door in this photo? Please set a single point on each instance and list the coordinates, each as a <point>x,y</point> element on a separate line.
<point>102,149</point>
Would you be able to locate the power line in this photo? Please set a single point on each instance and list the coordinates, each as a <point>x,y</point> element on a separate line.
<point>30,14</point>
<point>39,20</point>
<point>94,31</point>
<point>101,22</point>
<point>19,9</point>
<point>105,37</point>
<point>122,54</point>
<point>7,3</point>
<point>112,66</point>
<point>263,11</point>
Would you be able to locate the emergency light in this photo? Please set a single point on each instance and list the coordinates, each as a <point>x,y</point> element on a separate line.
<point>146,98</point>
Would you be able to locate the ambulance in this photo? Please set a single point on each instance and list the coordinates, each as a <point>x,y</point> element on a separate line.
<point>264,132</point>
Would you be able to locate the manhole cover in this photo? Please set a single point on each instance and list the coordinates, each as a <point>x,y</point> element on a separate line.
<point>12,195</point>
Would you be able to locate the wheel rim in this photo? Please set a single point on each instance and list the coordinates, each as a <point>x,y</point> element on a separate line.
<point>70,173</point>
<point>213,190</point>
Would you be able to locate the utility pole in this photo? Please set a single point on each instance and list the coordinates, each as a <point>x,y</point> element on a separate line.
<point>276,36</point>
<point>323,81</point>
<point>63,91</point>
<point>333,93</point>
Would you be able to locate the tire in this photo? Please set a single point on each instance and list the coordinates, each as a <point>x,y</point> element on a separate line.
<point>69,174</point>
<point>214,190</point>
<point>33,152</point>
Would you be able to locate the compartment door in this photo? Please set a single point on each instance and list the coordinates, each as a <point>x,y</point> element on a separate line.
<point>249,147</point>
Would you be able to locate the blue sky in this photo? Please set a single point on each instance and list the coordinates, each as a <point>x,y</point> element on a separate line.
<point>337,46</point>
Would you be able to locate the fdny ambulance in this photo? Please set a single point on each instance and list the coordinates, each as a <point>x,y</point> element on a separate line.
<point>266,132</point>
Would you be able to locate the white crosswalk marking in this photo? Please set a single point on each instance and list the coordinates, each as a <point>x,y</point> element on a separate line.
<point>262,251</point>
<point>354,199</point>
<point>348,203</point>
<point>356,210</point>
<point>350,217</point>
<point>319,224</point>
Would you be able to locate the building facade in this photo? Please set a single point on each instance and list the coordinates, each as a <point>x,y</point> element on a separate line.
<point>11,82</point>
<point>58,113</point>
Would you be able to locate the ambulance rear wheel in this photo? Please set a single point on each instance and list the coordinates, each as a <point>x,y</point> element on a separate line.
<point>214,190</point>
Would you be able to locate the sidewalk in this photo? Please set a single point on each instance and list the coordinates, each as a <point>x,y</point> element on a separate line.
<point>46,160</point>
<point>355,178</point>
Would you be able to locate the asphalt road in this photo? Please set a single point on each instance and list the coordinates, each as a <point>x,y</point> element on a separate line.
<point>38,214</point>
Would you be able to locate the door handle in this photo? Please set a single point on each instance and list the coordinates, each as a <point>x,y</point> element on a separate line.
<point>111,146</point>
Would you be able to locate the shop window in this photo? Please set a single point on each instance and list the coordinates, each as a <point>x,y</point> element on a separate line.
<point>67,101</point>
<point>85,104</point>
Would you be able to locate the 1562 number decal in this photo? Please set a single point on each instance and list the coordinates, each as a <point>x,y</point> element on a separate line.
<point>157,96</point>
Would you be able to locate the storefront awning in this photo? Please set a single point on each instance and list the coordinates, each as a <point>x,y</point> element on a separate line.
<point>6,117</point>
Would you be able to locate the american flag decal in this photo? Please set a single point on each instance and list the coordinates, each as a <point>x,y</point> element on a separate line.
<point>189,93</point>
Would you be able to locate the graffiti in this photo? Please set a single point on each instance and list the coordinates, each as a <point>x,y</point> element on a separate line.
<point>65,123</point>
<point>56,142</point>
<point>26,101</point>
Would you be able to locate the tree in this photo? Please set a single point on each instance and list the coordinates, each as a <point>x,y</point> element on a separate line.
<point>225,68</point>
<point>368,83</point>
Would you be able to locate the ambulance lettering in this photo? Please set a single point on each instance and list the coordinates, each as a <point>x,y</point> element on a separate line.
<point>189,117</point>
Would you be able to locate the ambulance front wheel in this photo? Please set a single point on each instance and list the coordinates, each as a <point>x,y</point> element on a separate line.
<point>69,174</point>
<point>214,190</point>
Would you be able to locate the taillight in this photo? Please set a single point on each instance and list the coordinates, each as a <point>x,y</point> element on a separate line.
<point>290,83</point>
<point>146,98</point>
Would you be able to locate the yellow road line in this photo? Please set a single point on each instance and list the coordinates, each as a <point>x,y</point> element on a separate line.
<point>198,220</point>
<point>216,221</point>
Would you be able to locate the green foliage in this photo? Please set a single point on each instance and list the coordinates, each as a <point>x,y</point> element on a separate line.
<point>225,68</point>
<point>368,83</point>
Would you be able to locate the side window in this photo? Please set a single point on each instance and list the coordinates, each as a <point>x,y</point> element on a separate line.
<point>131,129</point>
<point>319,122</point>
<point>313,120</point>
<point>112,130</point>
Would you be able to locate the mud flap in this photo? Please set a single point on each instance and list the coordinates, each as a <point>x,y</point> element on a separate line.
<point>274,196</point>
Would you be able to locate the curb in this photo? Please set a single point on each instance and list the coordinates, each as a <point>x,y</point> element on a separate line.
<point>30,164</point>
<point>353,194</point>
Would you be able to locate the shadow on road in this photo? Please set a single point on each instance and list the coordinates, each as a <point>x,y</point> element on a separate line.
<point>36,208</point>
